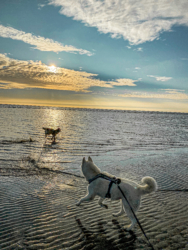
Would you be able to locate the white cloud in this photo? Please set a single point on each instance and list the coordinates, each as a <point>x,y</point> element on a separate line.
<point>137,21</point>
<point>40,6</point>
<point>30,74</point>
<point>137,68</point>
<point>139,49</point>
<point>40,43</point>
<point>172,94</point>
<point>123,82</point>
<point>161,78</point>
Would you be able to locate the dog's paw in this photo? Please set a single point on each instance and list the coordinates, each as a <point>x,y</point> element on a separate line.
<point>130,227</point>
<point>78,204</point>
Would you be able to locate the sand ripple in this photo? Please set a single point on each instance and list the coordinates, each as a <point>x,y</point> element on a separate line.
<point>40,213</point>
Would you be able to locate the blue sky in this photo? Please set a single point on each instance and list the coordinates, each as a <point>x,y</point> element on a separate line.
<point>117,54</point>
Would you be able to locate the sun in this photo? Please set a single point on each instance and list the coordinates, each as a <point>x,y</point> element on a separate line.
<point>52,68</point>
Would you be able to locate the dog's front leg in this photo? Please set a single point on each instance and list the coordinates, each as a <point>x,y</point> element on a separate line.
<point>88,197</point>
<point>101,204</point>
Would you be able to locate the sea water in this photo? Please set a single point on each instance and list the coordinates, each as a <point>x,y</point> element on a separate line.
<point>125,143</point>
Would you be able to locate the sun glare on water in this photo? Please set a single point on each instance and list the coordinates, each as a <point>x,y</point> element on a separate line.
<point>52,68</point>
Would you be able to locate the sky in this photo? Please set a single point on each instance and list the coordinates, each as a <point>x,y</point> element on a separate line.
<point>110,54</point>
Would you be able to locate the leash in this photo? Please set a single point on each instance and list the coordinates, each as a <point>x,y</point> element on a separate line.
<point>117,181</point>
<point>172,190</point>
<point>149,243</point>
<point>41,151</point>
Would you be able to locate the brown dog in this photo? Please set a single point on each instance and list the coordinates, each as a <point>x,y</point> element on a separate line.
<point>53,132</point>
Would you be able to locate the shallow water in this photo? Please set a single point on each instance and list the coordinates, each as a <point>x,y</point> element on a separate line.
<point>120,142</point>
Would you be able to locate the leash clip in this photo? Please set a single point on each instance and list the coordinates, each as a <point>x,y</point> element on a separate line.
<point>118,181</point>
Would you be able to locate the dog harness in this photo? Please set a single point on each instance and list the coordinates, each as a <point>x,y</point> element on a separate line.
<point>111,179</point>
<point>108,195</point>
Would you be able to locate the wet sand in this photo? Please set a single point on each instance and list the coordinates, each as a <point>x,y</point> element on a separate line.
<point>38,211</point>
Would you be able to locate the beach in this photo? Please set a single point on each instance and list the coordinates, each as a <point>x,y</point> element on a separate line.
<point>41,182</point>
<point>40,212</point>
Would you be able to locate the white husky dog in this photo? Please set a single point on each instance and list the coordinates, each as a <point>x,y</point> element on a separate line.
<point>131,190</point>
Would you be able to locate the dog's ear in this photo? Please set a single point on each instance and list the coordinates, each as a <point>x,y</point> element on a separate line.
<point>83,160</point>
<point>89,159</point>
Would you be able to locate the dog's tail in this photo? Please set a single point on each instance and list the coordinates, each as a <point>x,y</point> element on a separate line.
<point>150,185</point>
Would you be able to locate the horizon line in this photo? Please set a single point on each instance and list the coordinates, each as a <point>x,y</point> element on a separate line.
<point>88,108</point>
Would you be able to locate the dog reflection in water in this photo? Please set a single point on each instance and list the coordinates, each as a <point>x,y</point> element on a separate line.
<point>53,132</point>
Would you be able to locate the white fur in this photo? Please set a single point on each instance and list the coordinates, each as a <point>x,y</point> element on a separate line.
<point>132,190</point>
